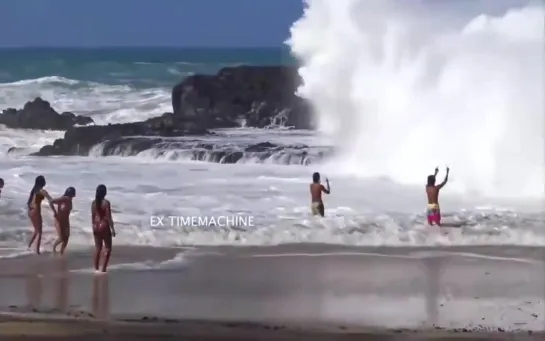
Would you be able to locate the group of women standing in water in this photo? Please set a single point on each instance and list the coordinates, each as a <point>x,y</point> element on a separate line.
<point>101,220</point>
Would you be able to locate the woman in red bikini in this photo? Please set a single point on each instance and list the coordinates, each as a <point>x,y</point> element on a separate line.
<point>103,227</point>
<point>34,203</point>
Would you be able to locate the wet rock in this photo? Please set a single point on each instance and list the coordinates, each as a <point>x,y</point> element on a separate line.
<point>258,96</point>
<point>38,114</point>
<point>80,140</point>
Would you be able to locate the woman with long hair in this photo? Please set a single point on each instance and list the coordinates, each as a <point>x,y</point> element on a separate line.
<point>103,227</point>
<point>62,223</point>
<point>34,203</point>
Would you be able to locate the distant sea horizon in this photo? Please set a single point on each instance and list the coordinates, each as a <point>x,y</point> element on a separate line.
<point>137,66</point>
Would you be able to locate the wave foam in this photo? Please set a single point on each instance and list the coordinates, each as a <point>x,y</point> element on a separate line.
<point>371,212</point>
<point>227,146</point>
<point>104,103</point>
<point>401,87</point>
<point>174,263</point>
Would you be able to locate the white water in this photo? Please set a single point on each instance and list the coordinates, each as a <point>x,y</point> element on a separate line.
<point>359,212</point>
<point>403,86</point>
<point>105,103</point>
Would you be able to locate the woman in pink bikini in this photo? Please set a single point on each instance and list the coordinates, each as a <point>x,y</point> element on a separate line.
<point>103,227</point>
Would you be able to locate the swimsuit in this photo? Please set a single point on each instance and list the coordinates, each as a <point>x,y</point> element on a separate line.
<point>64,206</point>
<point>64,218</point>
<point>316,208</point>
<point>434,214</point>
<point>100,225</point>
<point>37,200</point>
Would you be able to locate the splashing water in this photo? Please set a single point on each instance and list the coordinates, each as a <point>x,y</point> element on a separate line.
<point>400,87</point>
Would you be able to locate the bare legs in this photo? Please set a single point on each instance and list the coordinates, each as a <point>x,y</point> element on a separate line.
<point>63,242</point>
<point>59,236</point>
<point>63,231</point>
<point>98,250</point>
<point>36,220</point>
<point>107,250</point>
<point>100,240</point>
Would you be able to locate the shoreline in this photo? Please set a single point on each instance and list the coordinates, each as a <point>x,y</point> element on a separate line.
<point>146,258</point>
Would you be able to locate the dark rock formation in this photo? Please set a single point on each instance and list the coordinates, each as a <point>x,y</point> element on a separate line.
<point>17,151</point>
<point>261,96</point>
<point>38,114</point>
<point>199,150</point>
<point>80,140</point>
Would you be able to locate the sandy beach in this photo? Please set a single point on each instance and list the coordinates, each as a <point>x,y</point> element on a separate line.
<point>278,293</point>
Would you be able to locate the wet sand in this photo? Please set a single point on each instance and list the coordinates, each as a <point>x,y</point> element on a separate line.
<point>279,293</point>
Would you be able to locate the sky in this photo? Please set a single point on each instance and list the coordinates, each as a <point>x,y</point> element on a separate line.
<point>179,23</point>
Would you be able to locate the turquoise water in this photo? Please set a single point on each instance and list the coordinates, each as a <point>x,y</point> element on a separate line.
<point>136,67</point>
<point>114,85</point>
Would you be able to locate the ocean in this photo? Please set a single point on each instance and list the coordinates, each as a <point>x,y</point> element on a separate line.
<point>386,113</point>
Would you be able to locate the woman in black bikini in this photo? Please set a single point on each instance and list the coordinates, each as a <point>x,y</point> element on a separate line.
<point>103,227</point>
<point>34,203</point>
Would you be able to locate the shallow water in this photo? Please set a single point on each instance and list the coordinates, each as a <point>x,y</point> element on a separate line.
<point>273,199</point>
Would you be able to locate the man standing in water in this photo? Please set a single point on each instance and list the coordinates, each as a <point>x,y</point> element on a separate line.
<point>432,191</point>
<point>316,189</point>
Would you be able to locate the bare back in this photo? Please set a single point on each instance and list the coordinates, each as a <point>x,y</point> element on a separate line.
<point>433,194</point>
<point>316,190</point>
<point>36,201</point>
<point>64,208</point>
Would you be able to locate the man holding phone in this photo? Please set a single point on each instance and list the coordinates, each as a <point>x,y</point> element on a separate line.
<point>316,189</point>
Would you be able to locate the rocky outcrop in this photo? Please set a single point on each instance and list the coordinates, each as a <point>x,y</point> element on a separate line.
<point>258,96</point>
<point>38,114</point>
<point>80,140</point>
<point>197,149</point>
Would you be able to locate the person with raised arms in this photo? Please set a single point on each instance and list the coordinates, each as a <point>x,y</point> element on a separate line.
<point>432,191</point>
